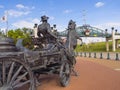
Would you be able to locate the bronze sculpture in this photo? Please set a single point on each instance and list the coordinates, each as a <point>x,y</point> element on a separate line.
<point>44,31</point>
<point>72,36</point>
<point>24,66</point>
<point>71,43</point>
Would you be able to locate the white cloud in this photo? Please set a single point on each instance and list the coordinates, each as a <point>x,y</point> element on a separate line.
<point>99,4</point>
<point>16,13</point>
<point>1,6</point>
<point>33,7</point>
<point>61,27</point>
<point>67,11</point>
<point>23,23</point>
<point>109,25</point>
<point>21,10</point>
<point>43,12</point>
<point>114,24</point>
<point>20,6</point>
<point>30,24</point>
<point>26,23</point>
<point>52,18</point>
<point>35,20</point>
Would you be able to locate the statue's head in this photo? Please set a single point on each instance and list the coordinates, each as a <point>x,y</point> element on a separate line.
<point>71,24</point>
<point>44,18</point>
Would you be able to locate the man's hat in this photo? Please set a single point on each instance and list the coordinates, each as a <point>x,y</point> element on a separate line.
<point>43,18</point>
<point>71,22</point>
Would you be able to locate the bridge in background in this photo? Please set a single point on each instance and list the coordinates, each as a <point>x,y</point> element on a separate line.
<point>88,31</point>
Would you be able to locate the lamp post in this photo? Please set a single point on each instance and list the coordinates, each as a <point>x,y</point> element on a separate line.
<point>113,38</point>
<point>115,31</point>
<point>107,44</point>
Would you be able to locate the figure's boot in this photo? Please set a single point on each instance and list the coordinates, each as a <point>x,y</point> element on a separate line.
<point>73,64</point>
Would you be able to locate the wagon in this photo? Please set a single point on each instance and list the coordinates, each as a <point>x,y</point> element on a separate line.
<point>20,67</point>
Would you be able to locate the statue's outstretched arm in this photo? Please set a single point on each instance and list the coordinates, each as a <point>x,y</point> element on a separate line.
<point>78,37</point>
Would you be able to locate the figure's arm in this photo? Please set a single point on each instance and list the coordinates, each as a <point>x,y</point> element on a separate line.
<point>78,37</point>
<point>38,32</point>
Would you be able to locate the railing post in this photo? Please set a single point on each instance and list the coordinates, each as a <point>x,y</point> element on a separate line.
<point>89,54</point>
<point>81,54</point>
<point>94,55</point>
<point>108,56</point>
<point>75,53</point>
<point>101,57</point>
<point>117,58</point>
<point>85,54</point>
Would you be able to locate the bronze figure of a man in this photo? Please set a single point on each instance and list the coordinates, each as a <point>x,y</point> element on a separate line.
<point>44,30</point>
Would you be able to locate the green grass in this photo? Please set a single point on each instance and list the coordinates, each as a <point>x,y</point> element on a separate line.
<point>95,47</point>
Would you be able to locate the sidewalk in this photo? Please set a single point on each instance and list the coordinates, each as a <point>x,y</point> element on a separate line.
<point>94,74</point>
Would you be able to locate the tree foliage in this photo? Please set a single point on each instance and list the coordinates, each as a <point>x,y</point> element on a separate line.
<point>23,33</point>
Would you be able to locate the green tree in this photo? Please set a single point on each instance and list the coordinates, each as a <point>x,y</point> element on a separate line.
<point>21,33</point>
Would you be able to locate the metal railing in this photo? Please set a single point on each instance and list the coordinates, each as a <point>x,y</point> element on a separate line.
<point>100,55</point>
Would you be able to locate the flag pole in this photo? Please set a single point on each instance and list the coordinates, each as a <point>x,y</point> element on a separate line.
<point>7,23</point>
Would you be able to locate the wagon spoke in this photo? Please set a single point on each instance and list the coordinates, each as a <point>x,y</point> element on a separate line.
<point>0,74</point>
<point>0,83</point>
<point>10,72</point>
<point>0,78</point>
<point>3,71</point>
<point>64,79</point>
<point>21,84</point>
<point>16,74</point>
<point>20,78</point>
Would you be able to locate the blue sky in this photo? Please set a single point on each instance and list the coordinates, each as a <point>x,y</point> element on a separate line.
<point>24,13</point>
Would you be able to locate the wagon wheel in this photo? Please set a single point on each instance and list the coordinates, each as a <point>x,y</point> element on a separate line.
<point>13,75</point>
<point>65,71</point>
